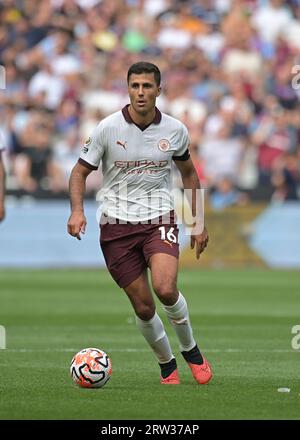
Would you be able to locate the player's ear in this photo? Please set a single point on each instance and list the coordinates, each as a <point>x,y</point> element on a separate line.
<point>158,91</point>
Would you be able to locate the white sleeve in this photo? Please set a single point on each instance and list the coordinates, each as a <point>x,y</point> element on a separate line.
<point>93,148</point>
<point>183,142</point>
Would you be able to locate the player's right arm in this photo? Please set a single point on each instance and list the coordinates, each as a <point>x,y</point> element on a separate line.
<point>89,160</point>
<point>77,221</point>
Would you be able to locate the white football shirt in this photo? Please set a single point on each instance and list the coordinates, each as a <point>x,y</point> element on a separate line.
<point>136,163</point>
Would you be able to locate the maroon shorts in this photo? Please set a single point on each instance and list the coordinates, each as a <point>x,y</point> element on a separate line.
<point>127,247</point>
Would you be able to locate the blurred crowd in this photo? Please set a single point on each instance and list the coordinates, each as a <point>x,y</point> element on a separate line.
<point>230,72</point>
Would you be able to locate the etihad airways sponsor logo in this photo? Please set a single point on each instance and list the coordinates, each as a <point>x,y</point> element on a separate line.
<point>126,164</point>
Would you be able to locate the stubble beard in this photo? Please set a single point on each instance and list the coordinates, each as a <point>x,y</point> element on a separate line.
<point>144,112</point>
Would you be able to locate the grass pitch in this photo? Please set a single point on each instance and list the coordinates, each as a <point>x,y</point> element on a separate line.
<point>242,321</point>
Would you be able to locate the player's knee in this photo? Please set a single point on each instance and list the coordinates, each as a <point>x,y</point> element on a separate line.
<point>167,294</point>
<point>145,311</point>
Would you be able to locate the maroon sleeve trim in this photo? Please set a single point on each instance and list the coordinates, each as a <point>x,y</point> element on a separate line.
<point>184,156</point>
<point>86,164</point>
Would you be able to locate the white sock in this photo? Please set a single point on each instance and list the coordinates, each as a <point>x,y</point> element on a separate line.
<point>178,316</point>
<point>154,333</point>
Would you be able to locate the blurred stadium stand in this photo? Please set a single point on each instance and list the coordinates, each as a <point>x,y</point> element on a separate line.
<point>227,74</point>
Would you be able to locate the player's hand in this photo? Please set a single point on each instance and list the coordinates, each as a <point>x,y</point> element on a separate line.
<point>200,240</point>
<point>76,224</point>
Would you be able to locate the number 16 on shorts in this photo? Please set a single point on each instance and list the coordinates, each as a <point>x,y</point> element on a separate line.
<point>167,234</point>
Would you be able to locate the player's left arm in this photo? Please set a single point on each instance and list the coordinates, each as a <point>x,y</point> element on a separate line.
<point>190,180</point>
<point>2,189</point>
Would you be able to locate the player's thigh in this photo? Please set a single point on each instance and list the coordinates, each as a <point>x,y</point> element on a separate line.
<point>140,296</point>
<point>164,270</point>
<point>122,252</point>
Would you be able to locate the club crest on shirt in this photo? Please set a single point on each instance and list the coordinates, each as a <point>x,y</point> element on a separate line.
<point>164,145</point>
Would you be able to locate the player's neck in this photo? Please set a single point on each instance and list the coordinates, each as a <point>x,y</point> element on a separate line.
<point>141,119</point>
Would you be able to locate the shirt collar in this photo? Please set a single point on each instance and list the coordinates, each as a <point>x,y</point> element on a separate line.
<point>127,117</point>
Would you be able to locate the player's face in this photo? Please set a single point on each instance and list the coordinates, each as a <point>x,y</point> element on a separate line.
<point>143,91</point>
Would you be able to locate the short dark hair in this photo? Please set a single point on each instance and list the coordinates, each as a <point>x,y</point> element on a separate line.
<point>144,67</point>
